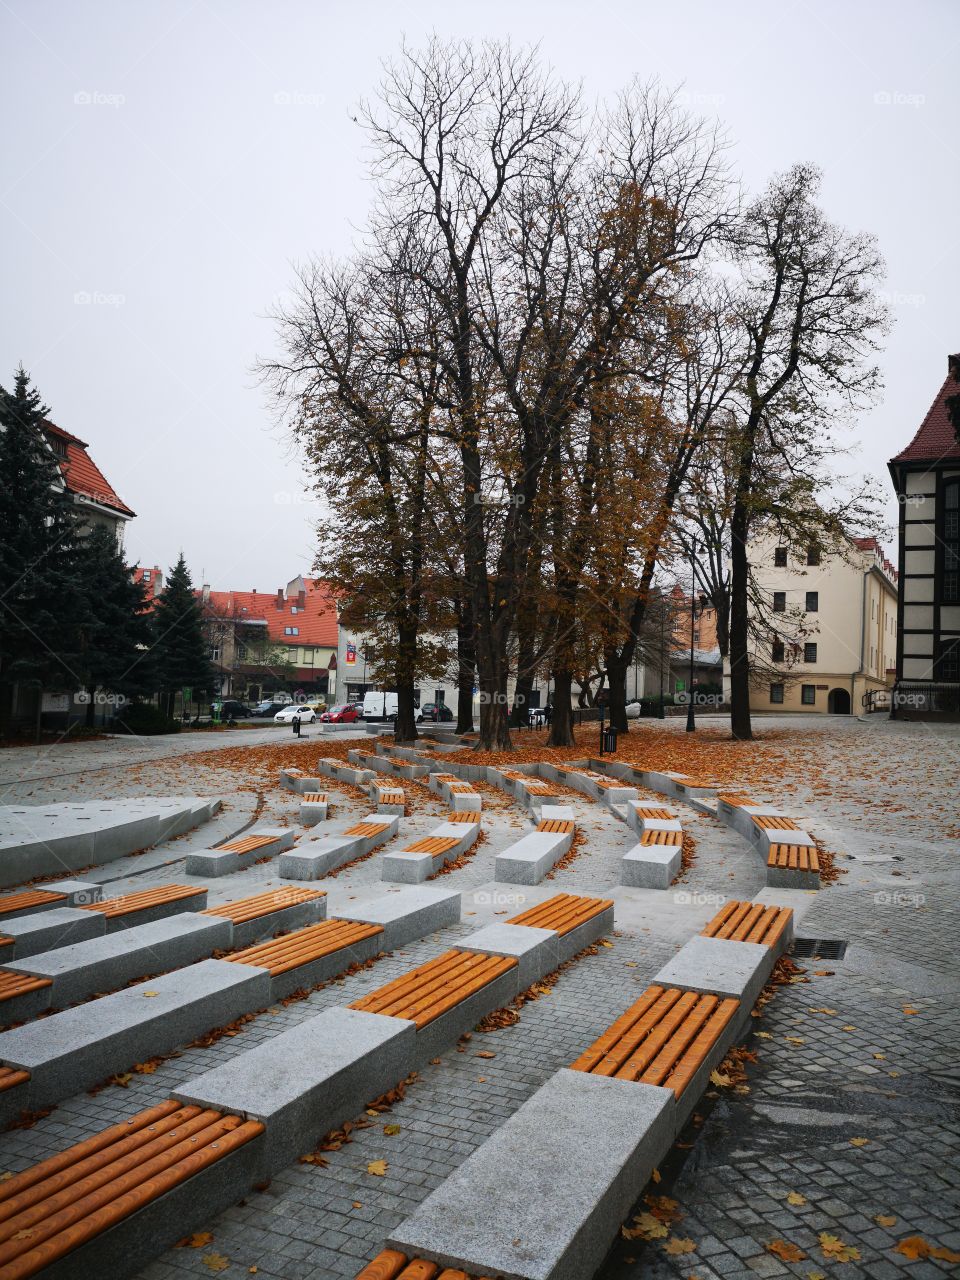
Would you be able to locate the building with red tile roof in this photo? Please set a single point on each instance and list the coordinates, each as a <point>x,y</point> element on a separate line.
<point>261,642</point>
<point>93,494</point>
<point>926,476</point>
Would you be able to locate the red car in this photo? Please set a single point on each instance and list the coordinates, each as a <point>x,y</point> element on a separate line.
<point>346,713</point>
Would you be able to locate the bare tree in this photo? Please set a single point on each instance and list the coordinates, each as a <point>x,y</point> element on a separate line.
<point>810,320</point>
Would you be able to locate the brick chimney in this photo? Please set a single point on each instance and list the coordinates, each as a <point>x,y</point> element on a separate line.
<point>280,598</point>
<point>301,599</point>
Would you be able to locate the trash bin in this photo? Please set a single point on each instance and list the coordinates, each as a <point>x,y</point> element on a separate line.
<point>608,741</point>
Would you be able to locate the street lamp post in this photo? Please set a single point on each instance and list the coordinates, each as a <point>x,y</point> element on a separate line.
<point>691,719</point>
<point>663,647</point>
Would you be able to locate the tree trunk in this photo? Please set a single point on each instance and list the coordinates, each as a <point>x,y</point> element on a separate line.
<point>617,682</point>
<point>405,727</point>
<point>740,725</point>
<point>561,726</point>
<point>466,667</point>
<point>521,700</point>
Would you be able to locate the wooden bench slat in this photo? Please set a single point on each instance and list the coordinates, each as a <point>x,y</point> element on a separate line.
<point>366,828</point>
<point>10,1077</point>
<point>262,904</point>
<point>67,1206</point>
<point>434,845</point>
<point>431,989</point>
<point>18,984</point>
<point>464,816</point>
<point>246,843</point>
<point>280,955</point>
<point>662,838</point>
<point>556,826</point>
<point>662,1039</point>
<point>770,822</point>
<point>562,913</point>
<point>131,902</point>
<point>28,898</point>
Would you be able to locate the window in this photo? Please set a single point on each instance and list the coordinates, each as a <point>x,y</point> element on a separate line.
<point>812,603</point>
<point>776,651</point>
<point>950,591</point>
<point>776,693</point>
<point>809,652</point>
<point>291,631</point>
<point>214,654</point>
<point>947,667</point>
<point>780,558</point>
<point>813,554</point>
<point>808,694</point>
<point>779,602</point>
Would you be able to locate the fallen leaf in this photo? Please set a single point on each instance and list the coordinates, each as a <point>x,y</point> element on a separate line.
<point>646,1227</point>
<point>485,1053</point>
<point>915,1248</point>
<point>215,1261</point>
<point>764,1035</point>
<point>679,1244</point>
<point>377,1167</point>
<point>786,1251</point>
<point>196,1241</point>
<point>5,1177</point>
<point>654,1177</point>
<point>794,1040</point>
<point>880,1057</point>
<point>796,1198</point>
<point>156,993</point>
<point>391,1130</point>
<point>723,1081</point>
<point>859,1142</point>
<point>908,1010</point>
<point>885,1220</point>
<point>835,1250</point>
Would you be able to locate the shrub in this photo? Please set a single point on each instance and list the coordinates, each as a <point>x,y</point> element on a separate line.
<point>145,719</point>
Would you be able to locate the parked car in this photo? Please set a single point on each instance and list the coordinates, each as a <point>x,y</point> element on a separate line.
<point>287,715</point>
<point>268,707</point>
<point>379,706</point>
<point>315,704</point>
<point>230,709</point>
<point>345,713</point>
<point>434,711</point>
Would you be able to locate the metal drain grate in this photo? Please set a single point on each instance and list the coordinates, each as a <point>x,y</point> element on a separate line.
<point>819,948</point>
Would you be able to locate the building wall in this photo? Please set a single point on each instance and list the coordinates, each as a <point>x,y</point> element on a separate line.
<point>854,628</point>
<point>927,621</point>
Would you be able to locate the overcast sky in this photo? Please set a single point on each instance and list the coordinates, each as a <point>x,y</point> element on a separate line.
<point>166,163</point>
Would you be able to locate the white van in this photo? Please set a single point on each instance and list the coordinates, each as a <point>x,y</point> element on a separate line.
<point>379,706</point>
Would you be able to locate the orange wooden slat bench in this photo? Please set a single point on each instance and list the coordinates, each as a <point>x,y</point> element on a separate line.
<point>313,797</point>
<point>312,955</point>
<point>263,904</point>
<point>366,829</point>
<point>462,815</point>
<point>391,797</point>
<point>10,1077</point>
<point>246,844</point>
<point>460,788</point>
<point>434,845</point>
<point>28,900</point>
<point>540,789</point>
<point>662,837</point>
<point>393,1265</point>
<point>773,822</point>
<point>794,857</point>
<point>749,922</point>
<point>662,1039</point>
<point>563,913</point>
<point>61,1203</point>
<point>436,987</point>
<point>130,903</point>
<point>652,811</point>
<point>5,942</point>
<point>736,801</point>
<point>557,826</point>
<point>18,984</point>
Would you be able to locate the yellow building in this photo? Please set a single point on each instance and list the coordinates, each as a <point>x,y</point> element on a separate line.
<point>832,640</point>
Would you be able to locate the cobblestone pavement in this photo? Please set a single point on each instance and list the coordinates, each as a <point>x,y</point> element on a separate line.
<point>839,1057</point>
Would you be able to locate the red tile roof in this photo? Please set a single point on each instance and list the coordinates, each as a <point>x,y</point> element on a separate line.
<point>871,544</point>
<point>316,623</point>
<point>81,475</point>
<point>937,437</point>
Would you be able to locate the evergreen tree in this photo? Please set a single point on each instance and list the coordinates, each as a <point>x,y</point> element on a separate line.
<point>181,648</point>
<point>117,644</point>
<point>42,604</point>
